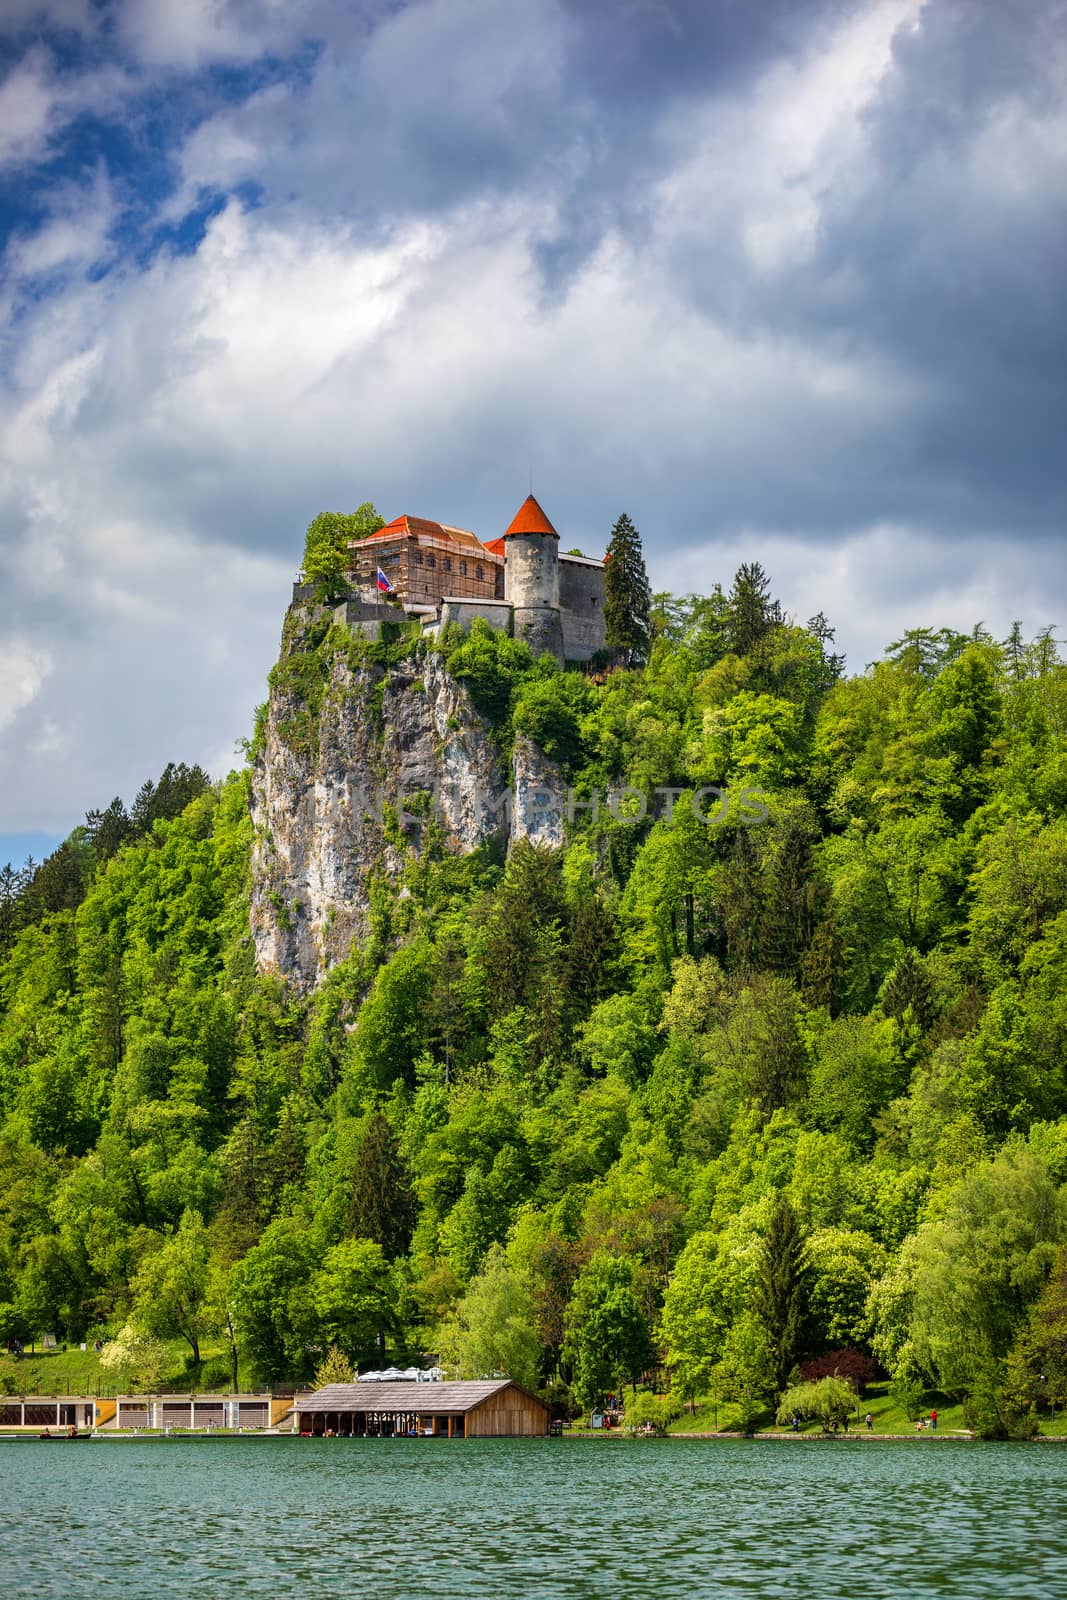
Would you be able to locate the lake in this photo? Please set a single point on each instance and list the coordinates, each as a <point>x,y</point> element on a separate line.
<point>488,1518</point>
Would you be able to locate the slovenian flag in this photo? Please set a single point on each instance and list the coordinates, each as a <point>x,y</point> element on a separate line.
<point>383,582</point>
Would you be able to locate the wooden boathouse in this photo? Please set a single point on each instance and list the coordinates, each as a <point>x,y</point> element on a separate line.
<point>494,1408</point>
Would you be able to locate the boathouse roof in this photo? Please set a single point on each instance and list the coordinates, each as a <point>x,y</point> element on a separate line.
<point>440,1398</point>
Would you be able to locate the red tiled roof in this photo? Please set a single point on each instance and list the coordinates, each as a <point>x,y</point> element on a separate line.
<point>530,519</point>
<point>495,546</point>
<point>406,526</point>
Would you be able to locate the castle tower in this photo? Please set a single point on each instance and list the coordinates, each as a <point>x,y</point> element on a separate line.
<point>531,579</point>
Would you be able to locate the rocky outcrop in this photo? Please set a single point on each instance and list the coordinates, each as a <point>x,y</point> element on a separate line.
<point>344,790</point>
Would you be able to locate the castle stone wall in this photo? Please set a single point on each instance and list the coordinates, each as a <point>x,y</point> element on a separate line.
<point>581,600</point>
<point>541,629</point>
<point>496,612</point>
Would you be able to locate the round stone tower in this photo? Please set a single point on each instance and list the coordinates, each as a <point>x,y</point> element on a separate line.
<point>531,579</point>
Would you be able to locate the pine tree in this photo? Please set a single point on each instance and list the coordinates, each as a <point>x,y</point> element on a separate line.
<point>590,954</point>
<point>781,1300</point>
<point>752,613</point>
<point>108,829</point>
<point>823,964</point>
<point>381,1206</point>
<point>793,899</point>
<point>627,596</point>
<point>741,903</point>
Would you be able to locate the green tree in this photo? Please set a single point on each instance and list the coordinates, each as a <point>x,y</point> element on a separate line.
<point>354,1296</point>
<point>135,1359</point>
<point>335,1367</point>
<point>271,1294</point>
<point>171,1286</point>
<point>651,1413</point>
<point>393,1021</point>
<point>326,558</point>
<point>980,1266</point>
<point>493,1327</point>
<point>751,613</point>
<point>782,1292</point>
<point>627,596</point>
<point>831,1402</point>
<point>381,1204</point>
<point>698,1309</point>
<point>607,1339</point>
<point>1037,1364</point>
<point>844,1268</point>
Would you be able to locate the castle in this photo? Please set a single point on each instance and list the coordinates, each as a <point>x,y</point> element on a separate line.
<point>519,583</point>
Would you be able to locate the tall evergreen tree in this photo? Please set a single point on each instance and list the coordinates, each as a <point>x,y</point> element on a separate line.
<point>381,1205</point>
<point>627,596</point>
<point>782,1292</point>
<point>529,900</point>
<point>794,898</point>
<point>751,611</point>
<point>108,829</point>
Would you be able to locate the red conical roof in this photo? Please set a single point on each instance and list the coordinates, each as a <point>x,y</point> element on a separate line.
<point>529,518</point>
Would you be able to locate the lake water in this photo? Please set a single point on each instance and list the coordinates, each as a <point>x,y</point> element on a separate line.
<point>494,1518</point>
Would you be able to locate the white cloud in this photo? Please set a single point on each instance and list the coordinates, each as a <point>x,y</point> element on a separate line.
<point>37,102</point>
<point>761,164</point>
<point>74,237</point>
<point>27,109</point>
<point>23,670</point>
<point>192,33</point>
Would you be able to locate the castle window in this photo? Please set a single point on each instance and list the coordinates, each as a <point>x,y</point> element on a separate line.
<point>448,563</point>
<point>479,574</point>
<point>431,561</point>
<point>418,558</point>
<point>463,569</point>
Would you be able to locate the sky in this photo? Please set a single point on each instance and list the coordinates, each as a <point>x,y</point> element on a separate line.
<point>784,281</point>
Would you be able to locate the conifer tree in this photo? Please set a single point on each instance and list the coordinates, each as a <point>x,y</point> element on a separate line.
<point>627,596</point>
<point>793,898</point>
<point>751,611</point>
<point>782,1292</point>
<point>381,1206</point>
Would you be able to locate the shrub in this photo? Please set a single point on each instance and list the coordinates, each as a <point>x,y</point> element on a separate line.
<point>651,1413</point>
<point>335,1367</point>
<point>492,665</point>
<point>858,1369</point>
<point>831,1401</point>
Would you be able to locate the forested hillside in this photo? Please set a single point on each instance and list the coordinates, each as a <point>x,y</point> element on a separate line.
<point>703,1090</point>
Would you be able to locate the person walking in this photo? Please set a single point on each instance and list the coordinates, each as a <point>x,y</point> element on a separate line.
<point>869,1420</point>
<point>933,1420</point>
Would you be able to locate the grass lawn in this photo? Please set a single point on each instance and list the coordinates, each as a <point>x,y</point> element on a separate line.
<point>73,1371</point>
<point>888,1418</point>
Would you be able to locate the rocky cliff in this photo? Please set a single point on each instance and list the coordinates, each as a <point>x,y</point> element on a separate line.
<point>354,763</point>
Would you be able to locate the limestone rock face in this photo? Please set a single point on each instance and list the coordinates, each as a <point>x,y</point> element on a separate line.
<point>342,796</point>
<point>539,795</point>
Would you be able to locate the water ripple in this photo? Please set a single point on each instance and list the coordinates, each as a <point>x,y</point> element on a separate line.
<point>565,1520</point>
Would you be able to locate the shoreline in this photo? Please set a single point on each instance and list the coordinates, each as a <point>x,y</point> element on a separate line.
<point>176,1436</point>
